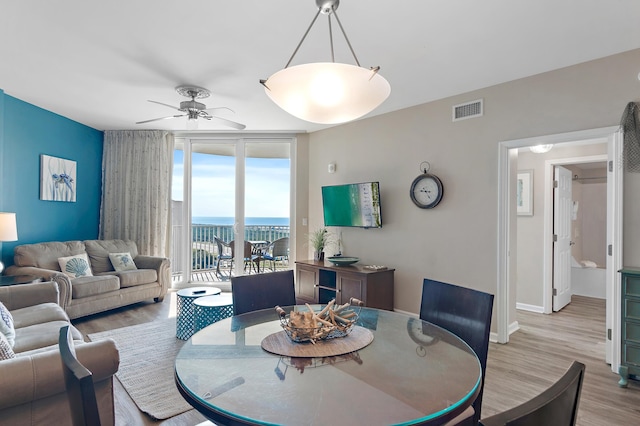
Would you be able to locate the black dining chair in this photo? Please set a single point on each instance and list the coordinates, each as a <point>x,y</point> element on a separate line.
<point>467,314</point>
<point>79,383</point>
<point>262,291</point>
<point>557,406</point>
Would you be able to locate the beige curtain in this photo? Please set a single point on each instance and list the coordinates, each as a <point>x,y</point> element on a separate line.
<point>136,188</point>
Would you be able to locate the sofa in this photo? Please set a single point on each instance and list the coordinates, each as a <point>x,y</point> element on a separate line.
<point>32,386</point>
<point>100,287</point>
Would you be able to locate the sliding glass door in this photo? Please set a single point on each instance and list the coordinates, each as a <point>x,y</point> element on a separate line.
<point>230,192</point>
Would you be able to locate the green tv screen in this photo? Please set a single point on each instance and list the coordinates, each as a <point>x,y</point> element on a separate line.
<point>356,204</point>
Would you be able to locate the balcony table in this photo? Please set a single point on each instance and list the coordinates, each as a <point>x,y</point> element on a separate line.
<point>413,372</point>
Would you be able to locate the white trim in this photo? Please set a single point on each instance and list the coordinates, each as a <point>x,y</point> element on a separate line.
<point>530,308</point>
<point>502,285</point>
<point>513,327</point>
<point>411,314</point>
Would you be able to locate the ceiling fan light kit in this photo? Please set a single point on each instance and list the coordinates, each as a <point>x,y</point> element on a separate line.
<point>327,92</point>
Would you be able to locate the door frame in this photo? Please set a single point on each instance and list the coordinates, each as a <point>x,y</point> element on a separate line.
<point>504,217</point>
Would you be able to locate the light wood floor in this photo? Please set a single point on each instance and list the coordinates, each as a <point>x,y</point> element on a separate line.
<point>535,357</point>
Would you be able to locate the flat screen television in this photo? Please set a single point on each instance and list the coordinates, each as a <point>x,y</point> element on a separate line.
<point>355,204</point>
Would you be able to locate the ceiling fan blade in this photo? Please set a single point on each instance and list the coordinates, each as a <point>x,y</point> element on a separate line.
<point>226,122</point>
<point>220,109</point>
<point>167,105</point>
<point>163,118</point>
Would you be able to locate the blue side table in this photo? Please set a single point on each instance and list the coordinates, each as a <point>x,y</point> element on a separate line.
<point>210,309</point>
<point>185,320</point>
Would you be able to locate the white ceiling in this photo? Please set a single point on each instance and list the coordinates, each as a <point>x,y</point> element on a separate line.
<point>99,63</point>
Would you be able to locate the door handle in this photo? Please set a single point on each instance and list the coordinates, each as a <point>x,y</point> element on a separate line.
<point>572,243</point>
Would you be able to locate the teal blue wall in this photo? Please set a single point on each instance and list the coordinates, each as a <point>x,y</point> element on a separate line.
<point>26,132</point>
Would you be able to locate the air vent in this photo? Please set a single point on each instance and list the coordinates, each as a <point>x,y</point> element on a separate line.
<point>467,110</point>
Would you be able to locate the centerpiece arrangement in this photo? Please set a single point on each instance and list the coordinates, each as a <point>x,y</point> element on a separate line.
<point>310,326</point>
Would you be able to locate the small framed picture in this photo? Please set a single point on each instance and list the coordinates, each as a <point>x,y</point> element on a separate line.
<point>524,193</point>
<point>57,179</point>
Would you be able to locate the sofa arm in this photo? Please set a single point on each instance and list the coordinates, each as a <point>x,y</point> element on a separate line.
<point>34,377</point>
<point>64,282</point>
<point>23,295</point>
<point>162,265</point>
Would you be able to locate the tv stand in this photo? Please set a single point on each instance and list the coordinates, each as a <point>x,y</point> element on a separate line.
<point>319,282</point>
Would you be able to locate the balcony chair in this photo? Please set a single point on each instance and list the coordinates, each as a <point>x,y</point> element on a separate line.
<point>558,405</point>
<point>277,251</point>
<point>78,382</point>
<point>466,313</point>
<point>262,291</point>
<point>224,255</point>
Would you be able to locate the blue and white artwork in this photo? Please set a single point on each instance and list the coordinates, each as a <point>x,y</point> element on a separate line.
<point>57,179</point>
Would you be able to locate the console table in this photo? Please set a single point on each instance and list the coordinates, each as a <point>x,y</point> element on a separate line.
<point>319,282</point>
<point>630,338</point>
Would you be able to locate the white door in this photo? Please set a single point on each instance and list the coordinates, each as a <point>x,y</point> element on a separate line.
<point>562,205</point>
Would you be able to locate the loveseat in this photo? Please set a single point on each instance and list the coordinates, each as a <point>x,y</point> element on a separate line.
<point>32,386</point>
<point>100,287</point>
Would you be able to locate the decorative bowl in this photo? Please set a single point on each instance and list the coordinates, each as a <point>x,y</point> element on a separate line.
<point>343,260</point>
<point>331,322</point>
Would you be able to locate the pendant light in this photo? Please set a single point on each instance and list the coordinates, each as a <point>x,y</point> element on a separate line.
<point>327,92</point>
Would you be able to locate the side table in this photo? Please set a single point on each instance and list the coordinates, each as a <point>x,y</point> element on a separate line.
<point>210,309</point>
<point>18,279</point>
<point>185,320</point>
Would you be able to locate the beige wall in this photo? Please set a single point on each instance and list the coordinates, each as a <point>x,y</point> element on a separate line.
<point>456,241</point>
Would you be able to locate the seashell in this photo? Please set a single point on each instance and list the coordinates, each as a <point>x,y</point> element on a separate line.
<point>77,266</point>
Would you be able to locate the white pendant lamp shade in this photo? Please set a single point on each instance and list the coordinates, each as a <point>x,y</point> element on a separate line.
<point>8,229</point>
<point>540,149</point>
<point>327,92</point>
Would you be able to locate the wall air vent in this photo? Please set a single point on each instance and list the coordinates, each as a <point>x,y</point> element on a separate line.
<point>467,110</point>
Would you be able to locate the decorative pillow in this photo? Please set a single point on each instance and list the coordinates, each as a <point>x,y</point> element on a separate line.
<point>75,266</point>
<point>6,325</point>
<point>6,352</point>
<point>122,261</point>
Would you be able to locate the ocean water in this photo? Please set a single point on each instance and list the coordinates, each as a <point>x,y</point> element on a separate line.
<point>209,220</point>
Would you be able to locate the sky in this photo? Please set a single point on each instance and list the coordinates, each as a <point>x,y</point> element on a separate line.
<point>213,185</point>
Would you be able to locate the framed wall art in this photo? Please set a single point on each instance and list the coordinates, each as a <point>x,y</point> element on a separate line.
<point>524,193</point>
<point>57,179</point>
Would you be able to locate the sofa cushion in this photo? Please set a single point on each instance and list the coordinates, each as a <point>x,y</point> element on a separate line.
<point>75,266</point>
<point>6,352</point>
<point>90,286</point>
<point>122,261</point>
<point>37,314</point>
<point>39,335</point>
<point>99,250</point>
<point>7,325</point>
<point>45,255</point>
<point>136,277</point>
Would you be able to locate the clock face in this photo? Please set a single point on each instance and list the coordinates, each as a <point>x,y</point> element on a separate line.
<point>426,191</point>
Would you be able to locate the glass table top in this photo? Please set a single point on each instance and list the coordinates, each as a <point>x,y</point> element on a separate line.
<point>412,372</point>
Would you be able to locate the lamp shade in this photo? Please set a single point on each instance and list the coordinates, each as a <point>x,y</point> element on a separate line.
<point>8,228</point>
<point>327,92</point>
<point>541,149</point>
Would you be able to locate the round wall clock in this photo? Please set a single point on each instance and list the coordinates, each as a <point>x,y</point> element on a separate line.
<point>426,190</point>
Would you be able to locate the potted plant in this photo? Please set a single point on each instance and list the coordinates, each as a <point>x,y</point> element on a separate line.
<point>319,240</point>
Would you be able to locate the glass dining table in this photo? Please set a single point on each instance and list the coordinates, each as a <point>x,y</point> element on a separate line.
<point>412,372</point>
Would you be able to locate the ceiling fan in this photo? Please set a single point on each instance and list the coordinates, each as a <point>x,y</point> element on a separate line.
<point>193,109</point>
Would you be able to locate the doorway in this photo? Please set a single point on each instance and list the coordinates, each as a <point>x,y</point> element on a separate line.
<point>507,278</point>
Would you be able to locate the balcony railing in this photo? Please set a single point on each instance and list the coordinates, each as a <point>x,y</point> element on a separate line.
<point>203,247</point>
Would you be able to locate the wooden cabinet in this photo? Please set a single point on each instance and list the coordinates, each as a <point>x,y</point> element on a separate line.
<point>319,282</point>
<point>630,330</point>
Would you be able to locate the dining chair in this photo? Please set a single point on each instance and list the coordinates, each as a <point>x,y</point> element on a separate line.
<point>262,291</point>
<point>558,405</point>
<point>78,382</point>
<point>224,255</point>
<point>250,258</point>
<point>466,313</point>
<point>277,251</point>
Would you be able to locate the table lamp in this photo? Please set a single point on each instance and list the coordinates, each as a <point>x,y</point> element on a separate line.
<point>8,230</point>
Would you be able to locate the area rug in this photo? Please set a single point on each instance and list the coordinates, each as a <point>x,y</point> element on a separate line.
<point>147,357</point>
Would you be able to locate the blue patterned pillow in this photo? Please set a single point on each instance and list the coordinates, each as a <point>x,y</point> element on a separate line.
<point>6,325</point>
<point>122,261</point>
<point>75,266</point>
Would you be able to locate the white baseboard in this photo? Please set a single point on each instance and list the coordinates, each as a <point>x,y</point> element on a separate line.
<point>411,314</point>
<point>530,308</point>
<point>513,327</point>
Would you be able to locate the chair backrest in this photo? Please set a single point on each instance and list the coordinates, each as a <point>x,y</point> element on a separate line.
<point>280,247</point>
<point>464,312</point>
<point>558,405</point>
<point>248,249</point>
<point>262,291</point>
<point>78,382</point>
<point>223,248</point>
